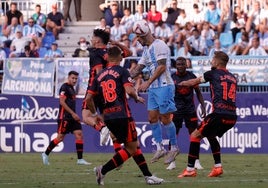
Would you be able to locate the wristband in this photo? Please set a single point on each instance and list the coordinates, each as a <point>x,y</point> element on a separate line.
<point>94,115</point>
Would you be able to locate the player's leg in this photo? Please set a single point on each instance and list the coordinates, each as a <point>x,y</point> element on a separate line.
<point>62,131</point>
<point>222,123</point>
<point>125,132</point>
<point>89,120</point>
<point>165,98</point>
<point>79,144</point>
<point>177,120</point>
<point>142,164</point>
<point>191,122</point>
<point>193,154</point>
<point>157,135</point>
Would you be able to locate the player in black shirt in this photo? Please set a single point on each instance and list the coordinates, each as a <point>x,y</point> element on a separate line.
<point>184,100</point>
<point>68,120</point>
<point>223,86</point>
<point>112,84</point>
<point>98,61</point>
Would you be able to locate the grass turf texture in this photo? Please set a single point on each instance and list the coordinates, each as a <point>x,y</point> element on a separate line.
<point>27,170</point>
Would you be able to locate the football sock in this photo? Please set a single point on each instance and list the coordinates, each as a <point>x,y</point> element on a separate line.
<point>119,158</point>
<point>193,151</point>
<point>171,133</point>
<point>141,162</point>
<point>157,132</point>
<point>98,126</point>
<point>215,149</point>
<point>79,148</point>
<point>51,146</point>
<point>117,146</point>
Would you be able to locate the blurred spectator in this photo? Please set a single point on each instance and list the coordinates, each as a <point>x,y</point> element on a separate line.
<point>117,30</point>
<point>189,63</point>
<point>163,32</point>
<point>13,12</point>
<point>196,17</point>
<point>172,10</point>
<point>35,46</point>
<point>66,10</point>
<point>239,47</point>
<point>238,21</point>
<point>3,56</point>
<point>102,24</point>
<point>34,30</point>
<point>214,16</point>
<point>195,44</point>
<point>18,44</point>
<point>255,49</point>
<point>110,11</point>
<point>187,30</point>
<point>55,21</point>
<point>177,36</point>
<point>27,52</point>
<point>217,47</point>
<point>208,34</point>
<point>182,18</point>
<point>265,44</point>
<point>255,18</point>
<point>140,14</point>
<point>127,42</point>
<point>127,20</point>
<point>10,31</point>
<point>83,50</point>
<point>77,7</point>
<point>153,15</point>
<point>54,52</point>
<point>38,17</point>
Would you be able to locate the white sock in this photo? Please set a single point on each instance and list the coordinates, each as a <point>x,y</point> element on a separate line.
<point>189,168</point>
<point>159,146</point>
<point>174,148</point>
<point>217,165</point>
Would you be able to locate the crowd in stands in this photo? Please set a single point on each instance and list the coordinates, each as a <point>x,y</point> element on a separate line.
<point>196,32</point>
<point>27,39</point>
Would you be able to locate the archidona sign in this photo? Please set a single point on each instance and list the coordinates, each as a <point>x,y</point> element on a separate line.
<point>28,77</point>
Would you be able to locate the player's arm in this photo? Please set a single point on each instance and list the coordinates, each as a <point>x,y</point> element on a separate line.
<point>193,82</point>
<point>68,109</point>
<point>136,70</point>
<point>161,68</point>
<point>90,103</point>
<point>201,100</point>
<point>126,51</point>
<point>131,91</point>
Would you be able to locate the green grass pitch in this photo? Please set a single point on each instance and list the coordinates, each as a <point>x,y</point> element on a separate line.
<point>27,171</point>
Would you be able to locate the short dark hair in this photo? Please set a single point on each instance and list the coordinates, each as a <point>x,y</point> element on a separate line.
<point>114,52</point>
<point>222,57</point>
<point>38,6</point>
<point>73,72</point>
<point>103,35</point>
<point>181,59</point>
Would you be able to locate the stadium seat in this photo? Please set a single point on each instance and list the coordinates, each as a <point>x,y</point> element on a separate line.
<point>42,51</point>
<point>226,39</point>
<point>238,37</point>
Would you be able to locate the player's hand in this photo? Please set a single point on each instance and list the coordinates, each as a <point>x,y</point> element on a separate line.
<point>144,86</point>
<point>140,99</point>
